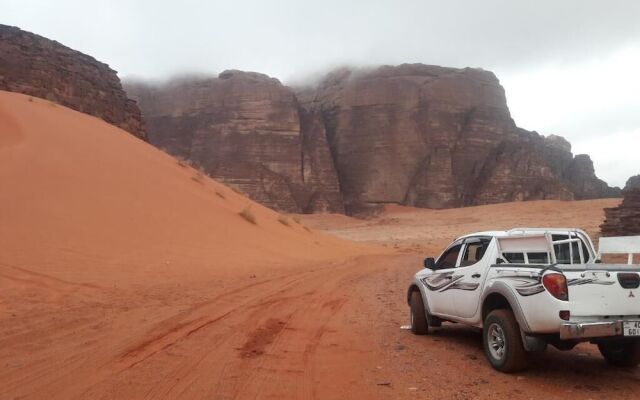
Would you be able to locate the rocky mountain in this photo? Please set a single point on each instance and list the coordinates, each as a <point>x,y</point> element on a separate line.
<point>413,134</point>
<point>37,66</point>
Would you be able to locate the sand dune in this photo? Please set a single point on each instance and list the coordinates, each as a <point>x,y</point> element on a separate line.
<point>111,250</point>
<point>85,201</point>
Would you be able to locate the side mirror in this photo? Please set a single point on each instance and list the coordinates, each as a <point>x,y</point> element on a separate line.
<point>430,263</point>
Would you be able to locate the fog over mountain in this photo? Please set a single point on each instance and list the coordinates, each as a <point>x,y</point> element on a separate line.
<point>569,68</point>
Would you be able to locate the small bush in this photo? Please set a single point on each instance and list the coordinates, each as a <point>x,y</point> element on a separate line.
<point>248,215</point>
<point>30,99</point>
<point>220,194</point>
<point>183,162</point>
<point>198,177</point>
<point>283,220</point>
<point>297,220</point>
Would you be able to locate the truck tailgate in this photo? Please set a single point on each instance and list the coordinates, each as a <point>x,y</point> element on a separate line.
<point>604,290</point>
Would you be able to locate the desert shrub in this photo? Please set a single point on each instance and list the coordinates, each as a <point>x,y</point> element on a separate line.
<point>248,215</point>
<point>283,220</point>
<point>183,162</point>
<point>220,194</point>
<point>198,177</point>
<point>30,99</point>
<point>297,220</point>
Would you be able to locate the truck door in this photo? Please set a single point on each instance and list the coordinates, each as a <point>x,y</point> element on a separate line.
<point>470,275</point>
<point>437,284</point>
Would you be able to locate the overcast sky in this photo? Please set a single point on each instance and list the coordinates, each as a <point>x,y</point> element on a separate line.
<point>569,67</point>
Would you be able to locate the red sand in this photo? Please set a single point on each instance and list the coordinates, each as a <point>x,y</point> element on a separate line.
<point>88,202</point>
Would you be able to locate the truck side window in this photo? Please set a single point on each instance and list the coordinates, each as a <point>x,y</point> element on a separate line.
<point>474,252</point>
<point>514,258</point>
<point>538,258</point>
<point>565,250</point>
<point>449,258</point>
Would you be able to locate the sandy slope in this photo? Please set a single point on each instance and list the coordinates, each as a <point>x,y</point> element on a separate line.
<point>88,202</point>
<point>123,275</point>
<point>112,250</point>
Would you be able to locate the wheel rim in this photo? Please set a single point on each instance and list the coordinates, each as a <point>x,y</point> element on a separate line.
<point>496,341</point>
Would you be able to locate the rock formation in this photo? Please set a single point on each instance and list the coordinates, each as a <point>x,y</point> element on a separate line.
<point>245,129</point>
<point>438,137</point>
<point>412,134</point>
<point>633,183</point>
<point>40,67</point>
<point>623,220</point>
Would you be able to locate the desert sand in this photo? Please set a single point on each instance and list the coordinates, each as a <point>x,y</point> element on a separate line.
<point>127,274</point>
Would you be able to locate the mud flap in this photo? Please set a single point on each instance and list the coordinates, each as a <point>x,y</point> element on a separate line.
<point>533,344</point>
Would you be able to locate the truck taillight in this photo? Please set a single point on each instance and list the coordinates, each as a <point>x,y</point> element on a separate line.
<point>556,284</point>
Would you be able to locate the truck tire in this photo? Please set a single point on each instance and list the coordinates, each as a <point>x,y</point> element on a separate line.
<point>419,324</point>
<point>621,353</point>
<point>502,342</point>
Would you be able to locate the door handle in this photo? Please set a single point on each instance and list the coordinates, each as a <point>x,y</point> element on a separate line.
<point>475,276</point>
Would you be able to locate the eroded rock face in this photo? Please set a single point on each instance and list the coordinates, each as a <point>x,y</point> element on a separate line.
<point>438,137</point>
<point>244,129</point>
<point>633,183</point>
<point>412,134</point>
<point>624,220</point>
<point>40,67</point>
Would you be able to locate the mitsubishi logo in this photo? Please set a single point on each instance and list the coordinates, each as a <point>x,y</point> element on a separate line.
<point>631,294</point>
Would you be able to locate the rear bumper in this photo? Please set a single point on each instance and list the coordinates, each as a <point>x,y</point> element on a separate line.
<point>585,330</point>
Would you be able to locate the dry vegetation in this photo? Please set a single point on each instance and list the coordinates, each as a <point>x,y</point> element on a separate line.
<point>248,215</point>
<point>283,220</point>
<point>184,163</point>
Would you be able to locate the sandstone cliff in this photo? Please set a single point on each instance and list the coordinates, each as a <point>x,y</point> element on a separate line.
<point>40,67</point>
<point>245,129</point>
<point>633,183</point>
<point>624,220</point>
<point>413,134</point>
<point>438,137</point>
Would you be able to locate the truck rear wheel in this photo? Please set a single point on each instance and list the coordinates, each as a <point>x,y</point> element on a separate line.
<point>621,352</point>
<point>419,324</point>
<point>502,341</point>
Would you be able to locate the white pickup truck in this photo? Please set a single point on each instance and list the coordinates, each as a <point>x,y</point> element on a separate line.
<point>527,288</point>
